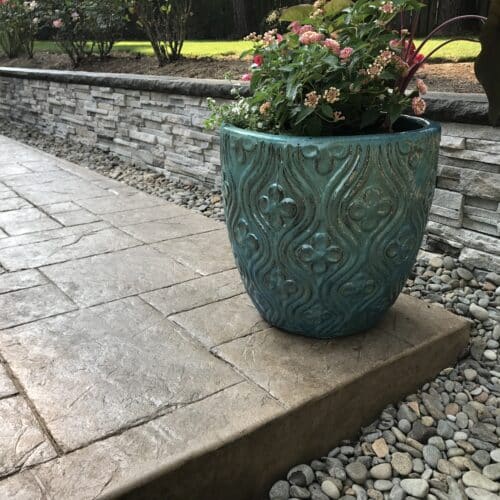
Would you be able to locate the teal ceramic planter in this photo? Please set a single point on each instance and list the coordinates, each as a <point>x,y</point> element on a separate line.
<point>325,230</point>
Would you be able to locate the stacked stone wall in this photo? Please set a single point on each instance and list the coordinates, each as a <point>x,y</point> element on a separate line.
<point>159,124</point>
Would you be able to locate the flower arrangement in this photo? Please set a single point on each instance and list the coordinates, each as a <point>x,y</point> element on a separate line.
<point>340,68</point>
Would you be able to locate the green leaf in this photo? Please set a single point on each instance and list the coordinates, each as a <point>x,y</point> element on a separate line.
<point>304,113</point>
<point>394,110</point>
<point>292,88</point>
<point>297,13</point>
<point>326,110</point>
<point>487,66</point>
<point>333,7</point>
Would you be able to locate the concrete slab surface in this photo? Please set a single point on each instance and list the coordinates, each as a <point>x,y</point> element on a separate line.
<point>133,365</point>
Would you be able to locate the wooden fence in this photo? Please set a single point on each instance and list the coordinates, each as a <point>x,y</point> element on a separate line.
<point>438,11</point>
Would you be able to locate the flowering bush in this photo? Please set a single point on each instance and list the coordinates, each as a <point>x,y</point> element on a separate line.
<point>339,69</point>
<point>18,26</point>
<point>82,26</point>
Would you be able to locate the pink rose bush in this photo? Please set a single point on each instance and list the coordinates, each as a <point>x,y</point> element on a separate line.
<point>331,72</point>
<point>19,22</point>
<point>84,27</point>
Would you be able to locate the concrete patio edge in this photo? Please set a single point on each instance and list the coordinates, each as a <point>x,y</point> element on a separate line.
<point>244,466</point>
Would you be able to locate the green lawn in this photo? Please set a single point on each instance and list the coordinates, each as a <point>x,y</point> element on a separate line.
<point>192,48</point>
<point>457,51</point>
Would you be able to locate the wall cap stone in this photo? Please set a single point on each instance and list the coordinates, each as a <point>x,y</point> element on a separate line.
<point>198,87</point>
<point>442,106</point>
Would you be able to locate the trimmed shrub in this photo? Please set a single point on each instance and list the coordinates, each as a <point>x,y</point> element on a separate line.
<point>165,25</point>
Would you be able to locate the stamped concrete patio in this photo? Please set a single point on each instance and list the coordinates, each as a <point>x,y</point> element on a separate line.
<point>134,365</point>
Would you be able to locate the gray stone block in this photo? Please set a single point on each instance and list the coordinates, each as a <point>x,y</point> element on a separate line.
<point>449,205</point>
<point>452,142</point>
<point>469,182</point>
<point>466,238</point>
<point>490,147</point>
<point>475,259</point>
<point>142,137</point>
<point>480,226</point>
<point>471,155</point>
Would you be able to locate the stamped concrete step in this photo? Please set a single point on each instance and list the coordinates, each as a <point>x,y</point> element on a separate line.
<point>294,399</point>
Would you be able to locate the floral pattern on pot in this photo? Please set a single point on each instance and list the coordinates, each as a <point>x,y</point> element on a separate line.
<point>325,230</point>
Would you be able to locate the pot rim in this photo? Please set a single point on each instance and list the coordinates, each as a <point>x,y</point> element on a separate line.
<point>427,127</point>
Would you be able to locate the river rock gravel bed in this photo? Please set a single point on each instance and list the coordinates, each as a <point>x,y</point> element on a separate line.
<point>441,443</point>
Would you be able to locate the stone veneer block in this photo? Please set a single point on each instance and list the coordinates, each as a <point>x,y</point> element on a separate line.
<point>472,258</point>
<point>132,365</point>
<point>158,123</point>
<point>449,205</point>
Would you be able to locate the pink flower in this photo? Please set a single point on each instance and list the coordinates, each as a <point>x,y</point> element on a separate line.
<point>295,27</point>
<point>279,38</point>
<point>310,37</point>
<point>421,86</point>
<point>346,53</point>
<point>4,2</point>
<point>387,8</point>
<point>305,28</point>
<point>332,45</point>
<point>395,44</point>
<point>418,105</point>
<point>258,59</point>
<point>57,23</point>
<point>247,77</point>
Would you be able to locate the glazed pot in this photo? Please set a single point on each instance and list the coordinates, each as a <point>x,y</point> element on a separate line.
<point>325,230</point>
